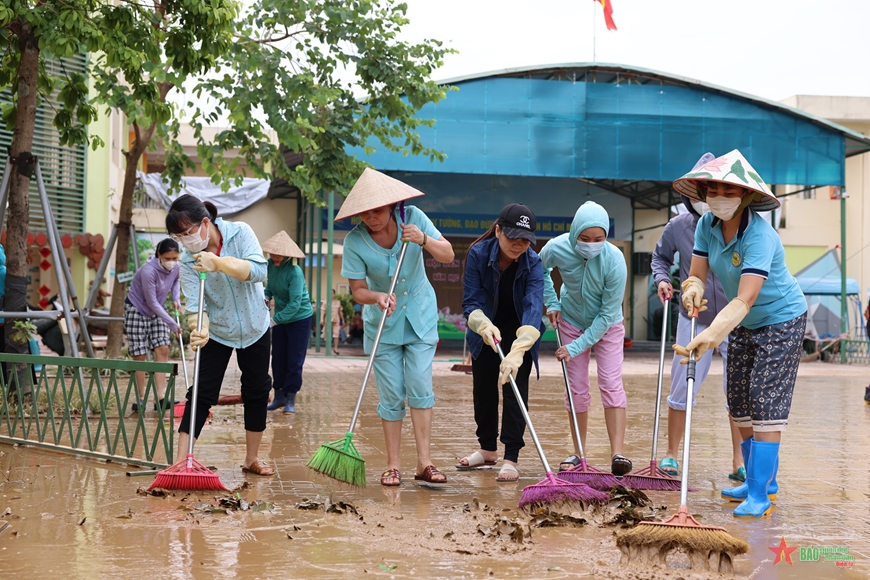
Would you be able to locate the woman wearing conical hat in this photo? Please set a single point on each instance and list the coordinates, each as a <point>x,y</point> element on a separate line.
<point>403,363</point>
<point>764,320</point>
<point>285,286</point>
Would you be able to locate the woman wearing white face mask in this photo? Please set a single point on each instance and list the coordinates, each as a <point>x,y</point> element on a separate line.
<point>588,311</point>
<point>146,322</point>
<point>764,320</point>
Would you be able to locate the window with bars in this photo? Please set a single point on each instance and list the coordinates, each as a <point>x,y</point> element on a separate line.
<point>63,168</point>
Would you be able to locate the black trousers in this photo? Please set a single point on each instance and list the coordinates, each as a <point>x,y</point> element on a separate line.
<point>486,389</point>
<point>256,382</point>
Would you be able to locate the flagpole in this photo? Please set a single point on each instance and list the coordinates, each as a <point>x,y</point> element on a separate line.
<point>594,8</point>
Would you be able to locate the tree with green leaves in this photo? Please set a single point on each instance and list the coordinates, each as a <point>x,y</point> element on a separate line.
<point>153,48</point>
<point>33,32</point>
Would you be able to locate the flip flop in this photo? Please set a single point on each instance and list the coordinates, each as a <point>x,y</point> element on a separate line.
<point>570,461</point>
<point>506,469</point>
<point>620,465</point>
<point>474,461</point>
<point>670,466</point>
<point>740,475</point>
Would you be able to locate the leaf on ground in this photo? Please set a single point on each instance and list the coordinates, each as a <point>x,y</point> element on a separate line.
<point>342,508</point>
<point>262,506</point>
<point>309,504</point>
<point>389,567</point>
<point>544,518</point>
<point>448,535</point>
<point>82,521</point>
<point>126,516</point>
<point>156,492</point>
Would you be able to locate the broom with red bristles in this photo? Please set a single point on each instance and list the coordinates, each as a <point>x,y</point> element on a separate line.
<point>190,474</point>
<point>654,477</point>
<point>583,473</point>
<point>551,491</point>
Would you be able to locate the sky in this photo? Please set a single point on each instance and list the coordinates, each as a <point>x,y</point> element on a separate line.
<point>767,48</point>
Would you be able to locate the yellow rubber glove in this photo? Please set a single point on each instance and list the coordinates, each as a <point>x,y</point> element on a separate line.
<point>693,294</point>
<point>526,338</point>
<point>727,319</point>
<point>479,323</point>
<point>233,267</point>
<point>198,338</point>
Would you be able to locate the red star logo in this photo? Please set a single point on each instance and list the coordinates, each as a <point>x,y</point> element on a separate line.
<point>783,552</point>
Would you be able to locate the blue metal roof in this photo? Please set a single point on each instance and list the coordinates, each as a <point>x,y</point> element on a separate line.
<point>628,125</point>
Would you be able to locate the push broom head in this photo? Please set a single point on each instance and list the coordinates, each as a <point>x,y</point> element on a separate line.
<point>708,547</point>
<point>591,476</point>
<point>188,474</point>
<point>340,460</point>
<point>651,478</point>
<point>552,491</point>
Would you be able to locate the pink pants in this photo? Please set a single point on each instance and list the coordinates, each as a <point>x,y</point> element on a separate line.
<point>608,359</point>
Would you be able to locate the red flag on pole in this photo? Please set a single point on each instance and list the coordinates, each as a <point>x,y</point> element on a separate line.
<point>608,13</point>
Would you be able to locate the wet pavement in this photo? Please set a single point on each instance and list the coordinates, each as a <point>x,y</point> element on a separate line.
<point>84,519</point>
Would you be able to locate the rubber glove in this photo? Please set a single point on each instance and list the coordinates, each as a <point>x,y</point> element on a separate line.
<point>198,337</point>
<point>727,319</point>
<point>693,294</point>
<point>527,336</point>
<point>479,323</point>
<point>233,267</point>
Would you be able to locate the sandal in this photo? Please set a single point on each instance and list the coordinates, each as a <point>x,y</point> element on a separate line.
<point>740,475</point>
<point>391,474</point>
<point>473,461</point>
<point>670,466</point>
<point>620,465</point>
<point>430,474</point>
<point>258,468</point>
<point>508,474</point>
<point>569,462</point>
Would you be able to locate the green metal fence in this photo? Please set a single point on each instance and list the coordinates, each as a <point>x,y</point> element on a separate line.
<point>857,351</point>
<point>78,405</point>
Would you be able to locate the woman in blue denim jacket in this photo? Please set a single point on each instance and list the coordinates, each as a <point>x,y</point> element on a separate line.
<point>503,301</point>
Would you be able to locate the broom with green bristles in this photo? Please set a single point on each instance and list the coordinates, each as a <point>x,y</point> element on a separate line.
<point>708,547</point>
<point>340,459</point>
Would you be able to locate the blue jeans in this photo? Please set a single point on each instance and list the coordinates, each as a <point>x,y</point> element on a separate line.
<point>289,346</point>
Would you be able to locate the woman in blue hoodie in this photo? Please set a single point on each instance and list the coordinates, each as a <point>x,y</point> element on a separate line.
<point>588,311</point>
<point>503,301</point>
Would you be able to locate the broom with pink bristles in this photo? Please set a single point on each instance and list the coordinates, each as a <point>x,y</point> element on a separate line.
<point>190,474</point>
<point>654,477</point>
<point>583,473</point>
<point>551,491</point>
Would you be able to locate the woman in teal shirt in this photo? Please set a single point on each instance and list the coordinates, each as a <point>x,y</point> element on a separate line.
<point>403,363</point>
<point>286,290</point>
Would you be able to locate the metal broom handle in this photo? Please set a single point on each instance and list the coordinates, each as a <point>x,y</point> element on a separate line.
<point>655,442</point>
<point>690,386</point>
<point>193,400</point>
<point>525,413</point>
<point>570,398</point>
<point>183,354</point>
<point>377,342</point>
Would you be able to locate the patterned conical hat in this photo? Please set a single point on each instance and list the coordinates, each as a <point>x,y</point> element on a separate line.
<point>372,190</point>
<point>733,169</point>
<point>282,245</point>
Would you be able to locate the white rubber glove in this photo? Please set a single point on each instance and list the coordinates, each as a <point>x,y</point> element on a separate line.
<point>693,294</point>
<point>198,338</point>
<point>479,323</point>
<point>727,319</point>
<point>526,338</point>
<point>233,267</point>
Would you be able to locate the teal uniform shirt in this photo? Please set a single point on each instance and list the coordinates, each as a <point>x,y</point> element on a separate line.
<point>237,312</point>
<point>286,284</point>
<point>364,259</point>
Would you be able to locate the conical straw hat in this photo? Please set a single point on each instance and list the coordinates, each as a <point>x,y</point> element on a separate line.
<point>282,245</point>
<point>372,190</point>
<point>733,169</point>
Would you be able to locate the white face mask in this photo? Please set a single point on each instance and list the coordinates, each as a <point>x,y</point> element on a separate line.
<point>195,242</point>
<point>589,250</point>
<point>169,264</point>
<point>723,207</point>
<point>700,207</point>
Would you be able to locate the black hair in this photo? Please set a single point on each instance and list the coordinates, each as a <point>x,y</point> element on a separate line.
<point>166,245</point>
<point>188,210</point>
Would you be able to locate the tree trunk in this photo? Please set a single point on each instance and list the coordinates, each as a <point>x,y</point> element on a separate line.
<point>122,252</point>
<point>18,213</point>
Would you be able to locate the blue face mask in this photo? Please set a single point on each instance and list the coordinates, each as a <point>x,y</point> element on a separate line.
<point>589,250</point>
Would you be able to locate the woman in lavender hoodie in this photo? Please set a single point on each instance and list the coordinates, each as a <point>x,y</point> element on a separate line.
<point>146,321</point>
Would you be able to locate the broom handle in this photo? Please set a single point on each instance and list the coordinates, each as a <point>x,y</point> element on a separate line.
<point>655,441</point>
<point>196,358</point>
<point>525,413</point>
<point>570,398</point>
<point>183,354</point>
<point>377,342</point>
<point>690,385</point>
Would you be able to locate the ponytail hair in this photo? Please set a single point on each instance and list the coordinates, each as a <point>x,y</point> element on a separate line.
<point>187,210</point>
<point>490,233</point>
<point>166,245</point>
